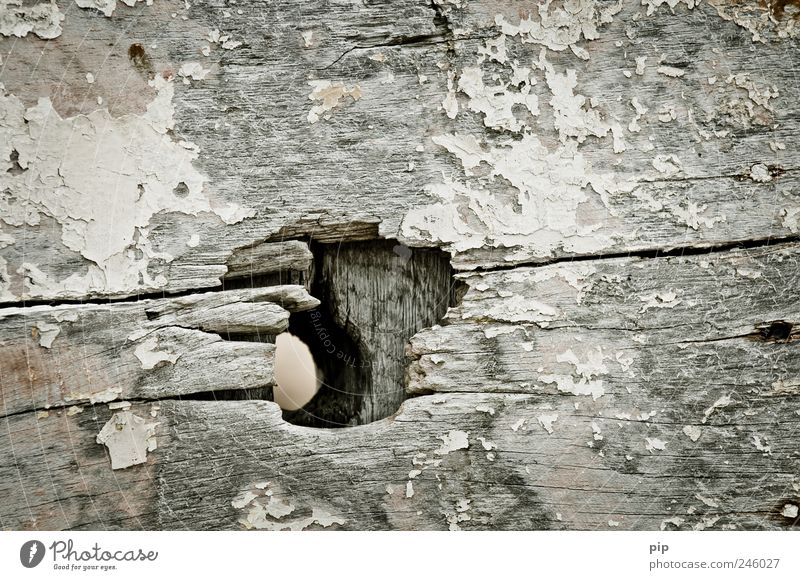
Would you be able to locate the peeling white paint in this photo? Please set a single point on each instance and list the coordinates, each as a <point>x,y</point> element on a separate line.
<point>450,102</point>
<point>453,441</point>
<point>149,356</point>
<point>329,96</point>
<point>496,103</point>
<point>558,26</point>
<point>47,333</point>
<point>693,432</point>
<point>484,409</point>
<point>723,401</point>
<point>587,384</point>
<point>192,70</point>
<point>132,158</point>
<point>265,509</point>
<point>675,521</point>
<point>756,18</point>
<point>654,444</point>
<point>761,445</point>
<point>790,511</point>
<point>128,439</point>
<point>760,173</point>
<point>670,71</point>
<point>653,5</point>
<point>19,18</point>
<point>107,7</point>
<point>546,420</point>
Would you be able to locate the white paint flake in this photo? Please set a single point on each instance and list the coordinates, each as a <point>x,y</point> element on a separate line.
<point>453,441</point>
<point>675,521</point>
<point>329,95</point>
<point>790,511</point>
<point>761,445</point>
<point>588,369</point>
<point>47,333</point>
<point>128,439</point>
<point>265,509</point>
<point>148,355</point>
<point>760,173</point>
<point>546,421</point>
<point>654,444</point>
<point>484,409</point>
<point>693,432</point>
<point>558,26</point>
<point>192,70</point>
<point>723,401</point>
<point>495,102</point>
<point>19,18</point>
<point>653,5</point>
<point>670,71</point>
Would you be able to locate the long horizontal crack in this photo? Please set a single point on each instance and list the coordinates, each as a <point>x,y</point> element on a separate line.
<point>691,250</point>
<point>680,251</point>
<point>410,41</point>
<point>222,395</point>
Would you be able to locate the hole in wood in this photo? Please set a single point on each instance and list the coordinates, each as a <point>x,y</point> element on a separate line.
<point>375,295</point>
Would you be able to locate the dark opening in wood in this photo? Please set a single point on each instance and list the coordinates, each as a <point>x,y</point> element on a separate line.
<point>375,295</point>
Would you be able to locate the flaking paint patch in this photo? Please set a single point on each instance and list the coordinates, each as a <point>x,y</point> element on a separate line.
<point>265,509</point>
<point>723,401</point>
<point>453,441</point>
<point>551,183</point>
<point>128,438</point>
<point>132,158</point>
<point>495,102</point>
<point>149,355</point>
<point>654,444</point>
<point>550,186</point>
<point>546,420</point>
<point>587,384</point>
<point>329,95</point>
<point>693,432</point>
<point>757,18</point>
<point>107,7</point>
<point>192,70</point>
<point>557,25</point>
<point>47,333</point>
<point>19,18</point>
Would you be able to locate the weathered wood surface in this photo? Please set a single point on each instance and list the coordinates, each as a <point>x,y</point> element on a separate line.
<point>165,148</point>
<point>149,349</point>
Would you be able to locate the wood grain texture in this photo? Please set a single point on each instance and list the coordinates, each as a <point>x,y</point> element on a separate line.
<point>150,349</point>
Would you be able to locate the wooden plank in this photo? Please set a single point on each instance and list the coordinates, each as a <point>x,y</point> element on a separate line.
<point>150,349</point>
<point>708,163</point>
<point>719,318</point>
<point>443,462</point>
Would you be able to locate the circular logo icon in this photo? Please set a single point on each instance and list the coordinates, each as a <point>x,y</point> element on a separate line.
<point>31,553</point>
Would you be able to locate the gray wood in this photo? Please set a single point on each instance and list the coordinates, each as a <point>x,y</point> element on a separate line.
<point>149,349</point>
